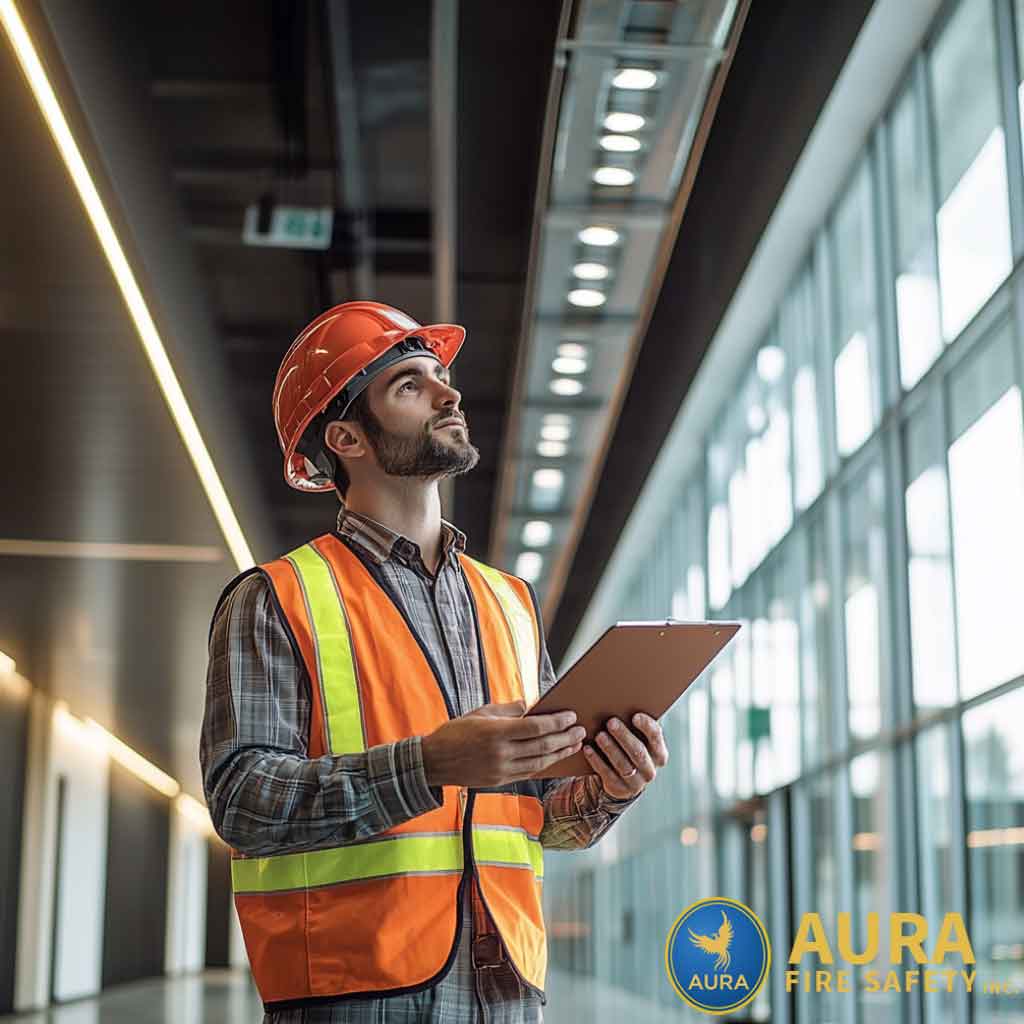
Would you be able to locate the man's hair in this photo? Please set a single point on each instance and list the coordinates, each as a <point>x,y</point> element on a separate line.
<point>359,412</point>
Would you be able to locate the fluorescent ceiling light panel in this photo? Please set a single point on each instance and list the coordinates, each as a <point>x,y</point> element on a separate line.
<point>566,386</point>
<point>590,271</point>
<point>586,297</point>
<point>529,565</point>
<point>552,449</point>
<point>568,364</point>
<point>620,144</point>
<point>623,122</point>
<point>598,235</point>
<point>617,176</point>
<point>536,533</point>
<point>152,344</point>
<point>635,78</point>
<point>572,350</point>
<point>548,479</point>
<point>554,432</point>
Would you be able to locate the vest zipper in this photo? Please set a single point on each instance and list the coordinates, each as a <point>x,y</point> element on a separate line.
<point>461,815</point>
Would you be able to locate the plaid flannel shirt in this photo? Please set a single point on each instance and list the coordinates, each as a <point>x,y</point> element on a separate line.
<point>267,797</point>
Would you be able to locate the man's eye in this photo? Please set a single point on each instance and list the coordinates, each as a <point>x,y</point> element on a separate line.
<point>407,384</point>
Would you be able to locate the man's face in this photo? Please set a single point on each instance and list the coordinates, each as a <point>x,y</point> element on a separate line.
<point>415,426</point>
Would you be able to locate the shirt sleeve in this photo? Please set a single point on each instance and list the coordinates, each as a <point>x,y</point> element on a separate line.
<point>265,795</point>
<point>577,810</point>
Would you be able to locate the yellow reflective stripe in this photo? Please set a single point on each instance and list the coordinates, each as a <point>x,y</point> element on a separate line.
<point>333,645</point>
<point>508,846</point>
<point>520,625</point>
<point>402,855</point>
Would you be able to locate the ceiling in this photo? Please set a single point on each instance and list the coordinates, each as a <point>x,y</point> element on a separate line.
<point>188,114</point>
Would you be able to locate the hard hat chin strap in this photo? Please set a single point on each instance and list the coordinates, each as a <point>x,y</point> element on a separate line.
<point>313,444</point>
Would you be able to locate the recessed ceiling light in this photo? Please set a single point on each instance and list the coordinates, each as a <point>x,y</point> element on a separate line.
<point>552,449</point>
<point>536,533</point>
<point>620,143</point>
<point>586,297</point>
<point>555,432</point>
<point>529,565</point>
<point>568,364</point>
<point>635,78</point>
<point>771,361</point>
<point>622,122</point>
<point>614,176</point>
<point>572,350</point>
<point>548,479</point>
<point>566,386</point>
<point>562,418</point>
<point>756,419</point>
<point>590,271</point>
<point>597,235</point>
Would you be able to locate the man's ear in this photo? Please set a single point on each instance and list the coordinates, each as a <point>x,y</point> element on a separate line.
<point>344,439</point>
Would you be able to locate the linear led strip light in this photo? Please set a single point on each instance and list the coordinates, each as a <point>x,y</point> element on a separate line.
<point>105,742</point>
<point>137,308</point>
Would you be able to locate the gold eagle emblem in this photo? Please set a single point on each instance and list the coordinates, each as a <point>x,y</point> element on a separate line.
<point>719,945</point>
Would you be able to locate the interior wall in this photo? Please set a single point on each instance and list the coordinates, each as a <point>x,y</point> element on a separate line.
<point>186,897</point>
<point>13,747</point>
<point>218,905</point>
<point>134,937</point>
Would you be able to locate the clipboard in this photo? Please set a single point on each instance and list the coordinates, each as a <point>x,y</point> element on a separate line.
<point>631,667</point>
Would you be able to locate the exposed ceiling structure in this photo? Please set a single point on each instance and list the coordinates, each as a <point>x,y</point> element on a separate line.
<point>629,111</point>
<point>416,134</point>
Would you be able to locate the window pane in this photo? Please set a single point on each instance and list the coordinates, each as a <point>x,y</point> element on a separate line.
<point>821,1007</point>
<point>798,338</point>
<point>874,864</point>
<point>994,758</point>
<point>856,364</point>
<point>817,685</point>
<point>917,288</point>
<point>723,701</point>
<point>777,684</point>
<point>929,568</point>
<point>986,479</point>
<point>973,219</point>
<point>865,587</point>
<point>939,893</point>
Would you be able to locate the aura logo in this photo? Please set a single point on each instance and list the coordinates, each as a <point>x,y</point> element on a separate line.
<point>717,955</point>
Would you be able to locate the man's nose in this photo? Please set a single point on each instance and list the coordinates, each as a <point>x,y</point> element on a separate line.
<point>448,396</point>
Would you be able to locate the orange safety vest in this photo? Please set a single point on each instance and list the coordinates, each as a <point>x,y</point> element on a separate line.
<point>382,916</point>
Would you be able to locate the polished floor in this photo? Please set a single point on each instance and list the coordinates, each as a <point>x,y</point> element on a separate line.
<point>228,997</point>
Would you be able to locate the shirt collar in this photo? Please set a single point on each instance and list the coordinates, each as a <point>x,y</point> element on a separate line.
<point>380,542</point>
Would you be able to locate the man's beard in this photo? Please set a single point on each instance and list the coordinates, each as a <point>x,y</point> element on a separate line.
<point>422,455</point>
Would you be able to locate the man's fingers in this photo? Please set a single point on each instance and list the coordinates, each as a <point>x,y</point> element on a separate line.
<point>635,752</point>
<point>547,744</point>
<point>531,726</point>
<point>524,767</point>
<point>655,738</point>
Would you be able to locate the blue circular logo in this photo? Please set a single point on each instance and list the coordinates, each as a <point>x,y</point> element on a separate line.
<point>717,955</point>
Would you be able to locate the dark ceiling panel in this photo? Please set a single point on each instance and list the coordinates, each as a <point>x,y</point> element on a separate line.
<point>787,61</point>
<point>503,80</point>
<point>90,453</point>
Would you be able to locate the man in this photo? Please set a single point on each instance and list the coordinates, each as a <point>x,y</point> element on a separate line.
<point>364,748</point>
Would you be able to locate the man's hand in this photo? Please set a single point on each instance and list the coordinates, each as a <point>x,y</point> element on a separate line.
<point>495,744</point>
<point>632,762</point>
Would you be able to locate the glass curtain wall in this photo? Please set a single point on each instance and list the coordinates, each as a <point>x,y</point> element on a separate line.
<point>859,507</point>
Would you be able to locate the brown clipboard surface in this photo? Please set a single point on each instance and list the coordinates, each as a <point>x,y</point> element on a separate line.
<point>631,667</point>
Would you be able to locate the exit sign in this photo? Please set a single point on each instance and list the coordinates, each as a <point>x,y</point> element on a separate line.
<point>290,227</point>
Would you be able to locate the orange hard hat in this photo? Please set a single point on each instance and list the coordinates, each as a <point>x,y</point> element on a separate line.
<point>331,361</point>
